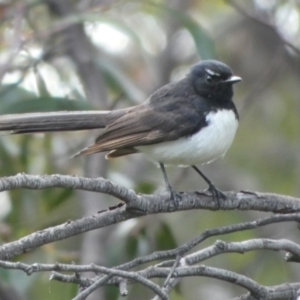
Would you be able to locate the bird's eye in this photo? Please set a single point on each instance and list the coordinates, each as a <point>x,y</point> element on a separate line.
<point>208,78</point>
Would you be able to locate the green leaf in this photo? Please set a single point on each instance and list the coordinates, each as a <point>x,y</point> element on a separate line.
<point>112,293</point>
<point>131,246</point>
<point>25,142</point>
<point>145,187</point>
<point>118,79</point>
<point>204,44</point>
<point>8,164</point>
<point>55,198</point>
<point>14,99</point>
<point>42,105</point>
<point>164,237</point>
<point>12,92</point>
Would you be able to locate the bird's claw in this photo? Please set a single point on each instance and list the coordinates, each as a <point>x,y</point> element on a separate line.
<point>216,194</point>
<point>173,197</point>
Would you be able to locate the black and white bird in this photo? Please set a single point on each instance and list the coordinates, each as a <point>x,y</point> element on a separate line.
<point>188,122</point>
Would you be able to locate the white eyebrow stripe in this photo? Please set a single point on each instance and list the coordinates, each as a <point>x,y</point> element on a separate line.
<point>210,72</point>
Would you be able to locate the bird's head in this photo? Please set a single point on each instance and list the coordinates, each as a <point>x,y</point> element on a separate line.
<point>213,79</point>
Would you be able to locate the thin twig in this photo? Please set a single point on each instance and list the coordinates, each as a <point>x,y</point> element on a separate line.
<point>82,295</point>
<point>221,247</point>
<point>159,255</point>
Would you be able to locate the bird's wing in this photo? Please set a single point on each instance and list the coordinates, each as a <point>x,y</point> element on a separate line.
<point>147,124</point>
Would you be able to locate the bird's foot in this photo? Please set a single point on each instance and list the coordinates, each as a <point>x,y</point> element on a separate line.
<point>216,194</point>
<point>173,196</point>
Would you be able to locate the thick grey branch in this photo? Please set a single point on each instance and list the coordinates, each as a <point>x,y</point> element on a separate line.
<point>147,204</point>
<point>37,182</point>
<point>156,203</point>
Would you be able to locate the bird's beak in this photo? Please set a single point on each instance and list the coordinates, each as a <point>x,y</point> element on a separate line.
<point>232,79</point>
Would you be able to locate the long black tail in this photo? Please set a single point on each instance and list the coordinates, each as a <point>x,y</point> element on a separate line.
<point>57,121</point>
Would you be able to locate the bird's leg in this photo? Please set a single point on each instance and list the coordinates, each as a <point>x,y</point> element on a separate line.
<point>216,193</point>
<point>168,185</point>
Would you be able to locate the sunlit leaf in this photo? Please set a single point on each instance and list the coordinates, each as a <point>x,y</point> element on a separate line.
<point>100,19</point>
<point>41,85</point>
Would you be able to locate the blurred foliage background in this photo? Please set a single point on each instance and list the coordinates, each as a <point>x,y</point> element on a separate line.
<point>100,54</point>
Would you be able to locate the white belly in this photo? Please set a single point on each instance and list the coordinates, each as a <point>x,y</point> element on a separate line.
<point>204,146</point>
